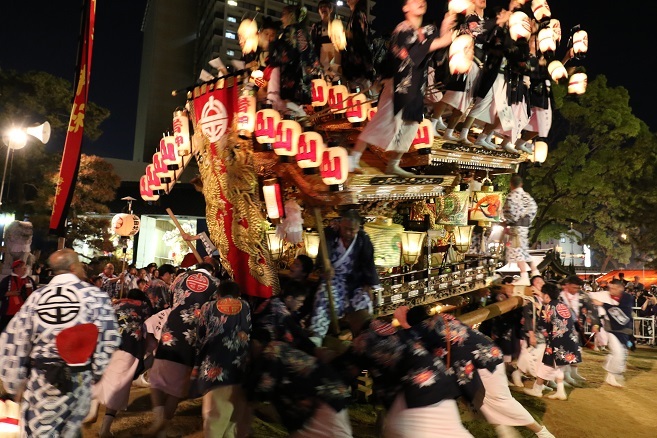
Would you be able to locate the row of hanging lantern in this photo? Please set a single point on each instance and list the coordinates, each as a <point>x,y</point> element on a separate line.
<point>169,161</point>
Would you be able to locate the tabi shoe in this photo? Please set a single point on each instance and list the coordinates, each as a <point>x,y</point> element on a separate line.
<point>504,431</point>
<point>525,147</point>
<point>560,394</point>
<point>547,388</point>
<point>575,375</point>
<point>141,381</point>
<point>508,146</point>
<point>544,433</point>
<point>465,140</point>
<point>615,380</point>
<point>567,377</point>
<point>438,124</point>
<point>485,144</point>
<point>354,167</point>
<point>551,385</point>
<point>534,391</point>
<point>449,136</point>
<point>516,377</point>
<point>393,169</point>
<point>92,416</point>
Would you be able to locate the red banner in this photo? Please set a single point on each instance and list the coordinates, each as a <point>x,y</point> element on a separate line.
<point>68,171</point>
<point>235,226</point>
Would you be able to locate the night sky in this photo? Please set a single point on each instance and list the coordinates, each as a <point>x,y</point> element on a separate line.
<point>43,35</point>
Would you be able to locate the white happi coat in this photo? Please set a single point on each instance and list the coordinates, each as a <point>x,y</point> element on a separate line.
<point>64,303</point>
<point>519,206</point>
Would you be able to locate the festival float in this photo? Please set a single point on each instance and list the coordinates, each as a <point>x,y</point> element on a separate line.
<point>272,183</point>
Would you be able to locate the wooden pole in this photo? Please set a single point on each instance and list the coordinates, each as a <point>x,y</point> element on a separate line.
<point>491,311</point>
<point>190,244</point>
<point>323,250</point>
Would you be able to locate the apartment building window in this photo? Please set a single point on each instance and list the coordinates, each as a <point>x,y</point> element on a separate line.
<point>232,19</point>
<point>231,3</point>
<point>230,35</point>
<point>230,52</point>
<point>291,2</point>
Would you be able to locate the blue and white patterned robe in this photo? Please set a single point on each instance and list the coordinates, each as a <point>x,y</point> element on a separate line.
<point>519,208</point>
<point>64,303</point>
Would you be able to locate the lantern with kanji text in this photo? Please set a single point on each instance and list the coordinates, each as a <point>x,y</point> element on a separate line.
<point>371,112</point>
<point>181,132</point>
<point>145,191</point>
<point>267,120</point>
<point>286,144</point>
<point>357,107</point>
<point>424,137</point>
<point>334,169</point>
<point>319,92</point>
<point>337,98</point>
<point>519,26</point>
<point>271,191</point>
<point>246,112</point>
<point>311,148</point>
<point>541,9</point>
<point>461,54</point>
<point>154,179</point>
<point>577,83</point>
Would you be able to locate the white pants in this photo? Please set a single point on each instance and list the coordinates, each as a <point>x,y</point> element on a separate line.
<point>529,359</point>
<point>326,423</point>
<point>499,406</point>
<point>440,419</point>
<point>546,372</point>
<point>617,357</point>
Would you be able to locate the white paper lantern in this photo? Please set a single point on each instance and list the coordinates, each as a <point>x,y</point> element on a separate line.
<point>154,179</point>
<point>247,28</point>
<point>337,98</point>
<point>311,148</point>
<point>371,112</point>
<point>461,54</point>
<point>577,83</point>
<point>540,151</point>
<point>246,113</point>
<point>145,191</point>
<point>286,144</point>
<point>519,26</point>
<point>271,191</point>
<point>181,136</point>
<point>167,175</point>
<point>541,9</point>
<point>557,71</point>
<point>319,92</point>
<point>546,41</point>
<point>357,108</point>
<point>334,169</point>
<point>267,121</point>
<point>555,25</point>
<point>10,419</point>
<point>580,42</point>
<point>170,151</point>
<point>337,35</point>
<point>424,137</point>
<point>125,225</point>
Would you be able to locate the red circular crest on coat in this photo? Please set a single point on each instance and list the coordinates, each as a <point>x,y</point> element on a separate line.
<point>229,306</point>
<point>197,283</point>
<point>563,311</point>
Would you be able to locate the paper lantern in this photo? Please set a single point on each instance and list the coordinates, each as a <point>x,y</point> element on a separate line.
<point>334,169</point>
<point>424,137</point>
<point>154,179</point>
<point>256,77</point>
<point>371,112</point>
<point>386,239</point>
<point>181,136</point>
<point>555,25</point>
<point>337,35</point>
<point>357,108</point>
<point>412,246</point>
<point>246,113</point>
<point>311,243</point>
<point>460,6</point>
<point>541,9</point>
<point>577,83</point>
<point>286,144</point>
<point>319,92</point>
<point>249,44</point>
<point>546,41</point>
<point>462,235</point>
<point>540,151</point>
<point>10,419</point>
<point>337,98</point>
<point>145,191</point>
<point>247,28</point>
<point>557,71</point>
<point>519,26</point>
<point>275,243</point>
<point>461,54</point>
<point>125,225</point>
<point>580,42</point>
<point>267,120</point>
<point>166,174</point>
<point>271,191</point>
<point>311,148</point>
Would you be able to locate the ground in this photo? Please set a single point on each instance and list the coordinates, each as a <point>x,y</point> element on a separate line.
<point>594,410</point>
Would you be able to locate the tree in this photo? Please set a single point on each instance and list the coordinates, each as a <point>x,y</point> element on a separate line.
<point>599,173</point>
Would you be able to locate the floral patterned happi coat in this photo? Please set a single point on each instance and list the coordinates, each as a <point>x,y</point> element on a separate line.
<point>223,335</point>
<point>178,340</point>
<point>467,351</point>
<point>160,295</point>
<point>410,54</point>
<point>293,52</point>
<point>274,317</point>
<point>557,323</point>
<point>295,383</point>
<point>398,362</point>
<point>131,315</point>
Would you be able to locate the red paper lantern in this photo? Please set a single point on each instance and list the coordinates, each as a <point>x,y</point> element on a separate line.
<point>271,191</point>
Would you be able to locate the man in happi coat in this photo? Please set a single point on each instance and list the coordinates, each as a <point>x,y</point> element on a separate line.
<point>176,351</point>
<point>519,212</point>
<point>416,390</point>
<point>220,369</point>
<point>159,289</point>
<point>113,390</point>
<point>557,322</point>
<point>352,259</point>
<point>56,347</point>
<point>475,360</point>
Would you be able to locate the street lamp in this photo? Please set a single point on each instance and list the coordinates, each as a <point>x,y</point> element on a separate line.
<point>16,138</point>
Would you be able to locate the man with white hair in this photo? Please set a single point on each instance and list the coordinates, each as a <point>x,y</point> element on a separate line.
<point>56,347</point>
